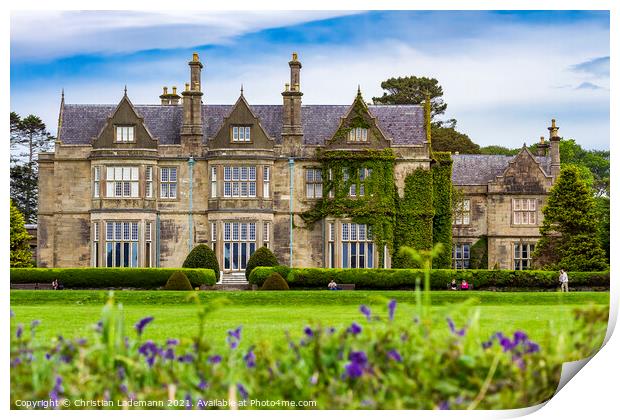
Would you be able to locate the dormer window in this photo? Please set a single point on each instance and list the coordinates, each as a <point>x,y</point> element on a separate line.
<point>358,135</point>
<point>125,133</point>
<point>241,134</point>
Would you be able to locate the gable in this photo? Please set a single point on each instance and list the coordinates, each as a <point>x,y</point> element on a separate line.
<point>524,174</point>
<point>358,116</point>
<point>125,115</point>
<point>241,116</point>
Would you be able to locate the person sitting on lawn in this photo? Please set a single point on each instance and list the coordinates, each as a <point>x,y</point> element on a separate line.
<point>55,284</point>
<point>453,284</point>
<point>332,285</point>
<point>464,285</point>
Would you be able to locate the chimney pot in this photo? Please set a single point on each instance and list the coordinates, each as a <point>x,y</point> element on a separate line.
<point>174,90</point>
<point>294,56</point>
<point>165,90</point>
<point>195,57</point>
<point>186,87</point>
<point>286,87</point>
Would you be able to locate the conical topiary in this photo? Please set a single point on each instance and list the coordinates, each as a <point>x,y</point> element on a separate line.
<point>178,281</point>
<point>275,282</point>
<point>203,257</point>
<point>262,257</point>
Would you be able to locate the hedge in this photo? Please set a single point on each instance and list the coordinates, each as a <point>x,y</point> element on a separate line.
<point>260,274</point>
<point>102,278</point>
<point>385,279</point>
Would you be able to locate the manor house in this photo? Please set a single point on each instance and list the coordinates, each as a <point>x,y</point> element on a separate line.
<point>140,185</point>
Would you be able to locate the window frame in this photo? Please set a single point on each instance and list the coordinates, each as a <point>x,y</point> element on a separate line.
<point>164,186</point>
<point>116,188</point>
<point>131,128</point>
<point>311,183</point>
<point>238,128</point>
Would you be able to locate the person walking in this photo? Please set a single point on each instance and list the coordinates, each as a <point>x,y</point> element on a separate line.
<point>563,281</point>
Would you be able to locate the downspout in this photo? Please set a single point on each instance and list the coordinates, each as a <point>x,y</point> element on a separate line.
<point>291,163</point>
<point>191,163</point>
<point>157,236</point>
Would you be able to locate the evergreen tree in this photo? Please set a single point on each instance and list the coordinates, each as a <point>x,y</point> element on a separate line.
<point>20,240</point>
<point>570,235</point>
<point>24,188</point>
<point>413,90</point>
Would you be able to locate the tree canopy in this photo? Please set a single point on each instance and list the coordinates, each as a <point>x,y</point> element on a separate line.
<point>21,256</point>
<point>570,235</point>
<point>412,90</point>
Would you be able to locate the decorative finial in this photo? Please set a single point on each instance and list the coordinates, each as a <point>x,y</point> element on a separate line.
<point>62,94</point>
<point>553,130</point>
<point>294,56</point>
<point>359,90</point>
<point>125,90</point>
<point>524,145</point>
<point>241,89</point>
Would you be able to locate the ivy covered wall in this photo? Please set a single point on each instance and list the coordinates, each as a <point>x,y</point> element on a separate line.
<point>442,203</point>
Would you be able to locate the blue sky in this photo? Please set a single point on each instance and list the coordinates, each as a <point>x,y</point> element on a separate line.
<point>504,74</point>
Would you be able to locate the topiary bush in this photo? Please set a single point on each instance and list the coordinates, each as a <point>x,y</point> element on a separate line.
<point>178,281</point>
<point>260,274</point>
<point>203,257</point>
<point>275,282</point>
<point>262,257</point>
<point>105,278</point>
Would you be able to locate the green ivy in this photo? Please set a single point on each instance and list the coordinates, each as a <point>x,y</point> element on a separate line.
<point>479,255</point>
<point>442,202</point>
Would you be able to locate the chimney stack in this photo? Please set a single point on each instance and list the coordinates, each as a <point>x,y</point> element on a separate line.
<point>191,130</point>
<point>542,147</point>
<point>554,149</point>
<point>292,101</point>
<point>169,98</point>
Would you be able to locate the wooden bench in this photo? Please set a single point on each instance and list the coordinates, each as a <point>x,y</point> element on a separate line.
<point>32,286</point>
<point>346,286</point>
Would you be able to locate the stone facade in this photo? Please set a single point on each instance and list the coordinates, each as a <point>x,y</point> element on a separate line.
<point>140,185</point>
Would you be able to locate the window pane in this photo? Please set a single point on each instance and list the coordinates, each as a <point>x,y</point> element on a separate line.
<point>370,256</point>
<point>345,255</point>
<point>235,256</point>
<point>353,255</point>
<point>235,133</point>
<point>247,133</point>
<point>227,256</point>
<point>109,255</point>
<point>134,254</point>
<point>345,231</point>
<point>173,174</point>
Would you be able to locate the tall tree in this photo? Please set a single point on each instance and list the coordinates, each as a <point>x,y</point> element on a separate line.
<point>448,139</point>
<point>412,90</point>
<point>570,235</point>
<point>31,132</point>
<point>24,190</point>
<point>21,256</point>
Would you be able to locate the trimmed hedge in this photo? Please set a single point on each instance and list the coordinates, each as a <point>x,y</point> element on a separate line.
<point>178,281</point>
<point>103,278</point>
<point>262,257</point>
<point>260,274</point>
<point>203,257</point>
<point>275,282</point>
<point>385,279</point>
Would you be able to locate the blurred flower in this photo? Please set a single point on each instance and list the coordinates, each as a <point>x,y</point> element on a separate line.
<point>250,359</point>
<point>34,324</point>
<point>392,308</point>
<point>366,311</point>
<point>140,325</point>
<point>234,337</point>
<point>354,329</point>
<point>308,331</point>
<point>444,405</point>
<point>214,360</point>
<point>358,364</point>
<point>172,342</point>
<point>19,331</point>
<point>453,329</point>
<point>395,355</point>
<point>242,391</point>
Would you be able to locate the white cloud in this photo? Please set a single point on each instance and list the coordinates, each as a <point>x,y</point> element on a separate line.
<point>66,33</point>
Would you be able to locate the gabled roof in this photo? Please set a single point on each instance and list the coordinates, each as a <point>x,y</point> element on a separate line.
<point>404,124</point>
<point>482,169</point>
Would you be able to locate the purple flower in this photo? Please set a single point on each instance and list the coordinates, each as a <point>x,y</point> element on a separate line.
<point>392,308</point>
<point>394,355</point>
<point>444,405</point>
<point>123,388</point>
<point>34,324</point>
<point>187,358</point>
<point>366,311</point>
<point>234,336</point>
<point>58,388</point>
<point>140,325</point>
<point>169,354</point>
<point>308,331</point>
<point>12,313</point>
<point>214,360</point>
<point>532,347</point>
<point>99,326</point>
<point>519,337</point>
<point>172,342</point>
<point>81,341</point>
<point>188,399</point>
<point>242,391</point>
<point>149,350</point>
<point>487,344</point>
<point>354,329</point>
<point>203,384</point>
<point>20,331</point>
<point>357,365</point>
<point>250,359</point>
<point>453,329</point>
<point>121,373</point>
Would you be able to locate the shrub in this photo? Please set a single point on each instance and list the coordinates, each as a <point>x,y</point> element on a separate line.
<point>102,278</point>
<point>20,240</point>
<point>262,257</point>
<point>387,279</point>
<point>178,281</point>
<point>275,282</point>
<point>203,257</point>
<point>260,274</point>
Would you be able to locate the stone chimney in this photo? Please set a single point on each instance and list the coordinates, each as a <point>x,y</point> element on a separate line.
<point>191,130</point>
<point>542,147</point>
<point>292,131</point>
<point>169,98</point>
<point>554,149</point>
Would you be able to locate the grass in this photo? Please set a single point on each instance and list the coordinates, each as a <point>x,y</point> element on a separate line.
<point>266,315</point>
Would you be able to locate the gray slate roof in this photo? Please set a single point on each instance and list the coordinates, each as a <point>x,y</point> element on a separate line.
<point>404,124</point>
<point>481,169</point>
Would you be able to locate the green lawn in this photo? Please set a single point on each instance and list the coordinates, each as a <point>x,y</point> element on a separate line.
<point>266,315</point>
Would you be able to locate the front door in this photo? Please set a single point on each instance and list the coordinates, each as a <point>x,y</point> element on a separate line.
<point>239,244</point>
